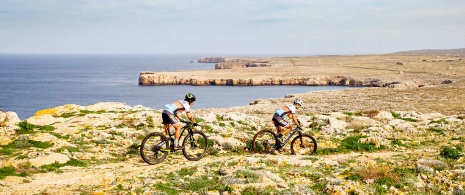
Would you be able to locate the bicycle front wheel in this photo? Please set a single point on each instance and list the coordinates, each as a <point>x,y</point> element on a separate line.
<point>195,145</point>
<point>265,142</point>
<point>154,148</point>
<point>303,145</point>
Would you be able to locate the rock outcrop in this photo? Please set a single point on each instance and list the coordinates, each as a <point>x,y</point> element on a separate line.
<point>238,63</point>
<point>211,60</point>
<point>8,125</point>
<point>166,78</point>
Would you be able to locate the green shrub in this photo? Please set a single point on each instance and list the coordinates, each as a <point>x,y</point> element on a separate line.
<point>55,166</point>
<point>449,152</point>
<point>354,177</point>
<point>46,128</point>
<point>168,188</point>
<point>397,142</point>
<point>352,114</point>
<point>39,144</point>
<point>249,145</point>
<point>5,151</point>
<point>25,127</point>
<point>459,147</point>
<point>250,177</point>
<point>67,115</point>
<point>7,171</point>
<point>350,144</point>
<point>133,149</point>
<point>203,183</point>
<point>251,190</point>
<point>397,116</point>
<point>187,171</point>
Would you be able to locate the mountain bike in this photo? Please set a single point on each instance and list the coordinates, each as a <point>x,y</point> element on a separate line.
<point>156,146</point>
<point>266,141</point>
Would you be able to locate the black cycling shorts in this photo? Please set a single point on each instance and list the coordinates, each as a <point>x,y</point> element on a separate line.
<point>279,121</point>
<point>168,118</point>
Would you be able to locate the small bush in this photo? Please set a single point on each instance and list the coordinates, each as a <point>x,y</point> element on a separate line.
<point>249,176</point>
<point>251,190</point>
<point>450,153</point>
<point>67,115</point>
<point>459,147</point>
<point>200,184</point>
<point>25,127</point>
<point>7,171</point>
<point>187,171</point>
<point>397,116</point>
<point>46,128</point>
<point>354,177</point>
<point>133,149</point>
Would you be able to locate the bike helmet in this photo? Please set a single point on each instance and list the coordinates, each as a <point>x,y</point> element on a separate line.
<point>189,97</point>
<point>298,101</point>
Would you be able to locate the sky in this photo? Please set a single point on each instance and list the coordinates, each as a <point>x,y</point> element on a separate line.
<point>230,26</point>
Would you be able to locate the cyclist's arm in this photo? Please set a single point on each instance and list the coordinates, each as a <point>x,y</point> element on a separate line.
<point>178,116</point>
<point>190,117</point>
<point>294,118</point>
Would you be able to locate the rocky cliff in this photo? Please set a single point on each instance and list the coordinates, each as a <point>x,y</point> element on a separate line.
<point>165,78</point>
<point>211,60</point>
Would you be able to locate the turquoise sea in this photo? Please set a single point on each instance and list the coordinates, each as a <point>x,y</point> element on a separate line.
<point>31,82</point>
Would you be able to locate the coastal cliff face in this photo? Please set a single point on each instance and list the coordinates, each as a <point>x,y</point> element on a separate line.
<point>392,71</point>
<point>154,78</point>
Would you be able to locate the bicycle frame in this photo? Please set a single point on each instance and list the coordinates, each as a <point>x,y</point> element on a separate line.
<point>297,129</point>
<point>187,127</point>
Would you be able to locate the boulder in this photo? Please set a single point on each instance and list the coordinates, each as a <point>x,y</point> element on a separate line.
<point>8,122</point>
<point>49,159</point>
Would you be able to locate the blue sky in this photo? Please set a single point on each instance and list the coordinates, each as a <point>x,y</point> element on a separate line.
<point>230,26</point>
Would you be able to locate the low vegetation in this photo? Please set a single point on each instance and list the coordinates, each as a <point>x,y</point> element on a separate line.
<point>365,155</point>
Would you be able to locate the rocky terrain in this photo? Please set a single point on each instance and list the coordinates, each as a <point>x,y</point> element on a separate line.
<point>405,136</point>
<point>94,150</point>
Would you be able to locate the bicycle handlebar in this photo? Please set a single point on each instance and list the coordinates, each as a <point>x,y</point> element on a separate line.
<point>189,122</point>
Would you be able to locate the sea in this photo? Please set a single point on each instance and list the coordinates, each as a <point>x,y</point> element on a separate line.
<point>32,82</point>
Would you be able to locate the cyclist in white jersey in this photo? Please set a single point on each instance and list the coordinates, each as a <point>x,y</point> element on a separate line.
<point>284,112</point>
<point>172,111</point>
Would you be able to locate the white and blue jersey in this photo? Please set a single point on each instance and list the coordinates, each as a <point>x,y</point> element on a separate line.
<point>178,106</point>
<point>284,111</point>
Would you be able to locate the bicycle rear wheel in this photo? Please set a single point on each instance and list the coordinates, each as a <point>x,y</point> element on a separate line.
<point>265,142</point>
<point>303,145</point>
<point>195,145</point>
<point>154,148</point>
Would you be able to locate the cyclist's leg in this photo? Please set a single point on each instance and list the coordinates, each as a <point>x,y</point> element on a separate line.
<point>288,129</point>
<point>177,133</point>
<point>166,121</point>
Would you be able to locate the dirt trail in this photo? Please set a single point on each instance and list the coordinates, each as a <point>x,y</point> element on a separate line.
<point>108,176</point>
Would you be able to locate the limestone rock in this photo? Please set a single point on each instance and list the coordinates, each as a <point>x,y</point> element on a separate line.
<point>49,159</point>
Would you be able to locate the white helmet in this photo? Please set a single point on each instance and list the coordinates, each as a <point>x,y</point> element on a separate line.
<point>298,101</point>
